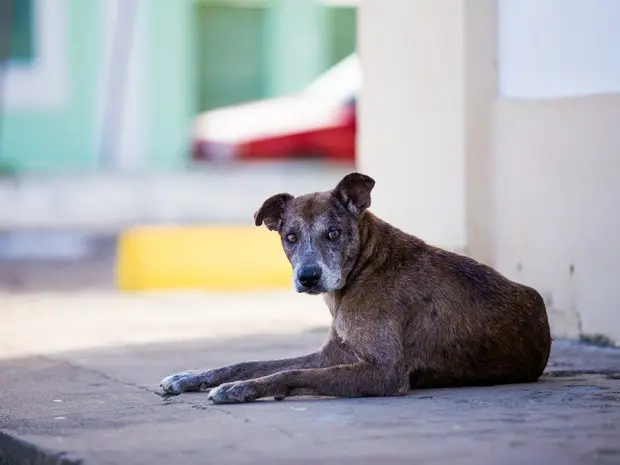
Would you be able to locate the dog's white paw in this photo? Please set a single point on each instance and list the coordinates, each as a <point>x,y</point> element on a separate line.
<point>182,382</point>
<point>234,393</point>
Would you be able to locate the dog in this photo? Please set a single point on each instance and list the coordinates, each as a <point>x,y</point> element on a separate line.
<point>405,314</point>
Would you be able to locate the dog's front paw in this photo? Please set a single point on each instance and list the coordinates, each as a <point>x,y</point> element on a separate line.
<point>234,393</point>
<point>187,381</point>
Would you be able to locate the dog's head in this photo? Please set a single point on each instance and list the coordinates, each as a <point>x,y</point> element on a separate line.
<point>320,231</point>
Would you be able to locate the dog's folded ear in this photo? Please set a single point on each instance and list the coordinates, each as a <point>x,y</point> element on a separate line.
<point>354,192</point>
<point>270,213</point>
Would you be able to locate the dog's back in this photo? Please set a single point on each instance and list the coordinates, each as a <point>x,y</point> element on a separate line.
<point>464,323</point>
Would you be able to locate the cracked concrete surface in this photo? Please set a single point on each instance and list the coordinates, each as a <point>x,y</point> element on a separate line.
<point>79,380</point>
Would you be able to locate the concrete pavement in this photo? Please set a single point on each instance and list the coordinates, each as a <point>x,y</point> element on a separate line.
<point>79,375</point>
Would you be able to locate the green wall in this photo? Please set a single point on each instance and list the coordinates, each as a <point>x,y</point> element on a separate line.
<point>296,44</point>
<point>341,32</point>
<point>49,140</point>
<point>231,54</point>
<point>177,76</point>
<point>247,50</point>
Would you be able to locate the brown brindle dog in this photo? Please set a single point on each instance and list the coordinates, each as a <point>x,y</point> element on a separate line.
<point>405,314</point>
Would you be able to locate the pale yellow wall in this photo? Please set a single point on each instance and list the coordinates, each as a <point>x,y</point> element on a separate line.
<point>412,123</point>
<point>556,190</point>
<point>531,187</point>
<point>481,91</point>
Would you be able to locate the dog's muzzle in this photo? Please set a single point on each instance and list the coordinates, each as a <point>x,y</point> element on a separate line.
<point>309,276</point>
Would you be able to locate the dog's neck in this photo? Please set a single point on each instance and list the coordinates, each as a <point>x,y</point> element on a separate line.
<point>378,243</point>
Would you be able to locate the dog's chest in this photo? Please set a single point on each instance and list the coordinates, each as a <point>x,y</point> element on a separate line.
<point>342,323</point>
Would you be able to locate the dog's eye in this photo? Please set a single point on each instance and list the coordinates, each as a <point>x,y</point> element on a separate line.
<point>333,234</point>
<point>292,237</point>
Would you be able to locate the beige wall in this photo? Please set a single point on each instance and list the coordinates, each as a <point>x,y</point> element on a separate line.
<point>481,90</point>
<point>556,191</point>
<point>412,136</point>
<point>531,187</point>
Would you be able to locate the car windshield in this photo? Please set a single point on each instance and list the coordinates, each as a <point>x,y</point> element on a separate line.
<point>341,82</point>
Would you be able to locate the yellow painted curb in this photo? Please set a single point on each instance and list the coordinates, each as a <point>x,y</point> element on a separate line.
<point>204,258</point>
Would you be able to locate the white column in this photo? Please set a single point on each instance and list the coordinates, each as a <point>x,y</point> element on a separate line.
<point>123,93</point>
<point>412,115</point>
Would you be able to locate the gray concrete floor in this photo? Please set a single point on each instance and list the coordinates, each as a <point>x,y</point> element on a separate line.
<point>79,377</point>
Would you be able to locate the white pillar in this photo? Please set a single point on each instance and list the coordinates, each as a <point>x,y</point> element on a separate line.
<point>412,115</point>
<point>121,114</point>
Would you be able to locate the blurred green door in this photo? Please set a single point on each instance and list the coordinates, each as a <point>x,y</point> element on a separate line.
<point>16,30</point>
<point>342,32</point>
<point>232,58</point>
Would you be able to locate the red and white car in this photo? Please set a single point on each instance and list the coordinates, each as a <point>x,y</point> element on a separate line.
<point>318,121</point>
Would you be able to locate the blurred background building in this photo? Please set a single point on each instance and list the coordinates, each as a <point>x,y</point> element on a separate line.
<point>114,85</point>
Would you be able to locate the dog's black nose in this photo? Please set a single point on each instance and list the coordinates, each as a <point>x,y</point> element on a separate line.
<point>309,275</point>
